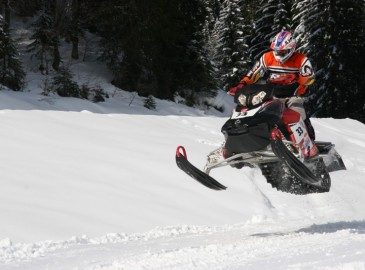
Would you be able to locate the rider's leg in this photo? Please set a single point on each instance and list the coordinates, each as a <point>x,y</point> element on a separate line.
<point>298,132</point>
<point>297,104</point>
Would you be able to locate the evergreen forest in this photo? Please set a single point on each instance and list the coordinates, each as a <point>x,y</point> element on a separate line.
<point>192,49</point>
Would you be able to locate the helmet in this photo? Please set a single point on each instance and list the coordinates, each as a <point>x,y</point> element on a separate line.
<point>283,45</point>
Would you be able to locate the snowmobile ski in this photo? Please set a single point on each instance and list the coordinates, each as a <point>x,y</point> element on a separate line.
<point>203,178</point>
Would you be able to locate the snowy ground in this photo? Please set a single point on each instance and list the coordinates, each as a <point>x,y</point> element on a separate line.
<point>95,186</point>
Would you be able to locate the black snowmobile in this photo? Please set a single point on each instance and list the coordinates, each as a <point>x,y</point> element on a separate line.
<point>255,136</point>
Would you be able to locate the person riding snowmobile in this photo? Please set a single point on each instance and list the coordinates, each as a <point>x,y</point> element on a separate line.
<point>290,71</point>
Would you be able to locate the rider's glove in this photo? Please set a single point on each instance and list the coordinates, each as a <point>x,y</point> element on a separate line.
<point>233,90</point>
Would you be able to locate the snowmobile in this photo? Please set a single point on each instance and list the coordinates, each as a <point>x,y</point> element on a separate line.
<point>255,136</point>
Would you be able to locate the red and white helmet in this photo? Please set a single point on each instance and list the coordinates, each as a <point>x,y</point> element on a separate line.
<point>283,45</point>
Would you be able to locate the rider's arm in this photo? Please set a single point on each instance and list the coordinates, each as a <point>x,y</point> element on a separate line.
<point>306,76</point>
<point>252,76</point>
<point>256,72</point>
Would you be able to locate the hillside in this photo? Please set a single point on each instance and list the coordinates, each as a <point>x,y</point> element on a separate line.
<point>98,184</point>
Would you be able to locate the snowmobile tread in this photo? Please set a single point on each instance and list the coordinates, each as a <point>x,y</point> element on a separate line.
<point>278,175</point>
<point>320,182</point>
<point>197,174</point>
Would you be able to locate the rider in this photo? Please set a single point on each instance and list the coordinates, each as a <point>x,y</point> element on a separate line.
<point>284,66</point>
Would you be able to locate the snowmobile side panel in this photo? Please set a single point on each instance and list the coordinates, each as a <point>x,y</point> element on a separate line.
<point>247,140</point>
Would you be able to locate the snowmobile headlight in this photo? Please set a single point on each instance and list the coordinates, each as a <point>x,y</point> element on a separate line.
<point>258,98</point>
<point>242,99</point>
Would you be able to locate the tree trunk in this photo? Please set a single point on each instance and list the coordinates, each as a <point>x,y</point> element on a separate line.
<point>1,7</point>
<point>75,27</point>
<point>57,22</point>
<point>56,58</point>
<point>7,16</point>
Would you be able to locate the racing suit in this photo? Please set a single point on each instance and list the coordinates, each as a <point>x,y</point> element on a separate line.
<point>297,71</point>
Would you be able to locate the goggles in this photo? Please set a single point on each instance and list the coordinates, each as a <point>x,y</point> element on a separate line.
<point>281,53</point>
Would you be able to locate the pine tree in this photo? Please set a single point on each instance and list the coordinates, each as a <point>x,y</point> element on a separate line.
<point>334,40</point>
<point>56,8</point>
<point>270,18</point>
<point>176,49</point>
<point>212,15</point>
<point>156,47</point>
<point>71,17</point>
<point>75,29</point>
<point>46,36</point>
<point>121,28</point>
<point>343,93</point>
<point>213,9</point>
<point>11,71</point>
<point>150,103</point>
<point>314,42</point>
<point>228,41</point>
<point>26,7</point>
<point>44,39</point>
<point>64,85</point>
<point>248,7</point>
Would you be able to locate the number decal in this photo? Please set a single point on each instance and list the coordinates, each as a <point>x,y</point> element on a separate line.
<point>300,131</point>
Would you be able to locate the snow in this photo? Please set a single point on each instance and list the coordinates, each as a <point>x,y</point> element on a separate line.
<point>88,186</point>
<point>95,186</point>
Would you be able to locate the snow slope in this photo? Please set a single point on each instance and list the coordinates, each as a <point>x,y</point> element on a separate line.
<point>95,186</point>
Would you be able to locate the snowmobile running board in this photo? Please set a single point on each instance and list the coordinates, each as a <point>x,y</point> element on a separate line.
<point>334,161</point>
<point>203,178</point>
